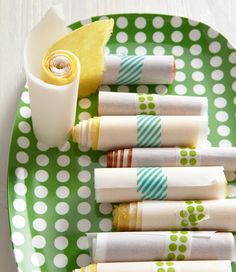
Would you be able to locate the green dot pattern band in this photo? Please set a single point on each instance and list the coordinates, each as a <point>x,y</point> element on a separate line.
<point>178,246</point>
<point>148,131</point>
<point>187,157</point>
<point>152,183</point>
<point>192,214</point>
<point>165,267</point>
<point>146,104</point>
<point>130,71</point>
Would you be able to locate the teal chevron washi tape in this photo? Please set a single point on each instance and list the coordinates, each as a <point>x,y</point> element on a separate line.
<point>131,68</point>
<point>148,131</point>
<point>152,183</point>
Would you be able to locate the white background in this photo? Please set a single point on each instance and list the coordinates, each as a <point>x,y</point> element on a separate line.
<point>17,17</point>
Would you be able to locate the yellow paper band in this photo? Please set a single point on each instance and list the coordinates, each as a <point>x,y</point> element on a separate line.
<point>60,67</point>
<point>96,124</point>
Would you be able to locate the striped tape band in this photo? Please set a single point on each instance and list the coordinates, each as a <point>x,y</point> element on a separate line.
<point>148,130</point>
<point>152,183</point>
<point>130,71</point>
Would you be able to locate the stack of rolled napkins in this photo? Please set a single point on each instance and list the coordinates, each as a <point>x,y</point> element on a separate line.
<point>172,215</point>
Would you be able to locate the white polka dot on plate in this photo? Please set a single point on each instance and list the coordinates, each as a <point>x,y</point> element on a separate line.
<point>180,76</point>
<point>19,205</point>
<point>217,75</point>
<point>42,160</point>
<point>61,243</point>
<point>222,116</point>
<point>220,102</point>
<point>63,160</point>
<point>20,189</point>
<point>62,192</point>
<point>84,160</point>
<point>25,112</point>
<point>84,116</point>
<point>158,22</point>
<point>214,47</point>
<point>231,189</point>
<point>180,89</point>
<point>158,37</point>
<point>86,21</point>
<point>177,50</point>
<point>225,143</point>
<point>195,49</point>
<point>19,256</point>
<point>194,35</point>
<point>84,192</point>
<point>17,238</point>
<point>104,88</point>
<point>123,89</point>
<point>139,89</point>
<point>40,207</point>
<point>61,225</point>
<point>233,72</point>
<point>234,86</point>
<point>218,88</point>
<point>140,22</point>
<point>42,147</point>
<point>82,242</point>
<point>21,173</point>
<point>212,33</point>
<point>103,160</point>
<point>223,130</point>
<point>62,208</point>
<point>83,225</point>
<point>39,224</point>
<point>122,50</point>
<point>83,260</point>
<point>161,89</point>
<point>41,175</point>
<point>176,36</point>
<point>107,50</point>
<point>38,241</point>
<point>121,37</point>
<point>159,50</point>
<point>230,176</point>
<point>232,58</point>
<point>41,191</point>
<point>37,259</point>
<point>25,97</point>
<point>197,63</point>
<point>23,142</point>
<point>18,221</point>
<point>24,127</point>
<point>199,89</point>
<point>140,50</point>
<point>84,176</point>
<point>22,157</point>
<point>84,103</point>
<point>84,208</point>
<point>197,76</point>
<point>105,208</point>
<point>179,63</point>
<point>216,61</point>
<point>176,21</point>
<point>122,22</point>
<point>193,22</point>
<point>105,224</point>
<point>63,176</point>
<point>60,260</point>
<point>140,37</point>
<point>235,102</point>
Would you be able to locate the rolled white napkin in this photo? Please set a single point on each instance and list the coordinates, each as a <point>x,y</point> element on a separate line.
<point>153,183</point>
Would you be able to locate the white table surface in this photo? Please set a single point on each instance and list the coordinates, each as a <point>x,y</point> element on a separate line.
<point>17,17</point>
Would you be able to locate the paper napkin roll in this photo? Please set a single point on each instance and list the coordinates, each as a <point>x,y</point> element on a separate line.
<point>153,183</point>
<point>161,246</point>
<point>159,266</point>
<point>217,215</point>
<point>145,69</point>
<point>167,156</point>
<point>116,103</point>
<point>113,132</point>
<point>53,101</point>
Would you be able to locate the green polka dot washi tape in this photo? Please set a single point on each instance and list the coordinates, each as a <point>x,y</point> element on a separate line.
<point>188,157</point>
<point>192,213</point>
<point>147,104</point>
<point>178,246</point>
<point>165,267</point>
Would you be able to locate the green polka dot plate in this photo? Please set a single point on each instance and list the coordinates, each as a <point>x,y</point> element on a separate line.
<point>50,191</point>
